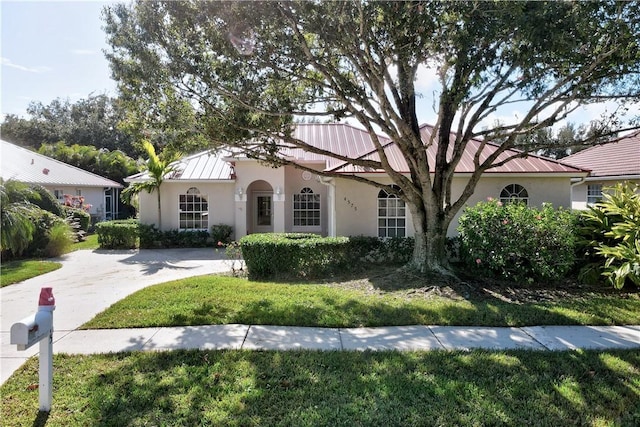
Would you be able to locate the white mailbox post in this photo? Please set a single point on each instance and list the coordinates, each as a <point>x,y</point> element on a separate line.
<point>39,328</point>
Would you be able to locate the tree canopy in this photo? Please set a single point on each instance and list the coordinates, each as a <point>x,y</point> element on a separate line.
<point>237,73</point>
<point>93,121</point>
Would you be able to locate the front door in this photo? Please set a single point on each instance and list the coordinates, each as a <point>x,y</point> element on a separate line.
<point>263,213</point>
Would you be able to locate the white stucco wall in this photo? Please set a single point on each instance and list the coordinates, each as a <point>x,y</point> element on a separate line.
<point>579,191</point>
<point>356,204</point>
<point>219,196</point>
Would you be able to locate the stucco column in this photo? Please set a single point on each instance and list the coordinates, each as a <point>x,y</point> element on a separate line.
<point>240,219</point>
<point>278,213</point>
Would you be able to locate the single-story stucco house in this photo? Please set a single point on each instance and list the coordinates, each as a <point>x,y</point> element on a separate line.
<point>610,163</point>
<point>97,195</point>
<point>220,188</point>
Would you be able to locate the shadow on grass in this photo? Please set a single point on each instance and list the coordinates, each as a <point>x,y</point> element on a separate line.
<point>41,419</point>
<point>348,388</point>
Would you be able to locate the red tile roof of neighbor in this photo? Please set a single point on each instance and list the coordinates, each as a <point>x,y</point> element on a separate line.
<point>617,158</point>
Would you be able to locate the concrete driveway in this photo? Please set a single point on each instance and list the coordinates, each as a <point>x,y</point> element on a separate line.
<point>91,281</point>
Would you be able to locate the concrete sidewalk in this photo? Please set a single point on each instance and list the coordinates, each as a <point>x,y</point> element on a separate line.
<point>403,338</point>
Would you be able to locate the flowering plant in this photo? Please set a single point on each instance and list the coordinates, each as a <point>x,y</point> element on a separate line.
<point>514,241</point>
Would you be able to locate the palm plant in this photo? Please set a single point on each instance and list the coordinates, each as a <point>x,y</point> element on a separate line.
<point>158,168</point>
<point>16,226</point>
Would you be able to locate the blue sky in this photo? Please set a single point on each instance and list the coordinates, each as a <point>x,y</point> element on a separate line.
<point>51,49</point>
<point>54,49</point>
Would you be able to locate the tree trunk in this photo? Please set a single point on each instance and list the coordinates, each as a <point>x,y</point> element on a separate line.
<point>429,254</point>
<point>159,210</point>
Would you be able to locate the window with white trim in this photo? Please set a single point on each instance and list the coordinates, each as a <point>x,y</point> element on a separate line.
<point>514,193</point>
<point>193,210</point>
<point>306,208</point>
<point>59,195</point>
<point>594,194</point>
<point>392,221</point>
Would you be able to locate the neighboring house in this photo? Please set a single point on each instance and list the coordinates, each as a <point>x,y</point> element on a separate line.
<point>610,163</point>
<point>67,183</point>
<point>212,188</point>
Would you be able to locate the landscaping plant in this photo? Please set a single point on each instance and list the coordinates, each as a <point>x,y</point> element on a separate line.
<point>517,242</point>
<point>611,236</point>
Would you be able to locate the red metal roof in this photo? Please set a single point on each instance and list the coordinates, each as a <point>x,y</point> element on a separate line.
<point>354,143</point>
<point>528,164</point>
<point>618,158</point>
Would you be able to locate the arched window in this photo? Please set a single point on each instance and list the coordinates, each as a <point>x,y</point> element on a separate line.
<point>514,193</point>
<point>391,215</point>
<point>306,208</point>
<point>193,210</point>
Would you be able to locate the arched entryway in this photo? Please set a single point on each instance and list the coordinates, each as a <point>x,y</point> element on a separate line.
<point>260,207</point>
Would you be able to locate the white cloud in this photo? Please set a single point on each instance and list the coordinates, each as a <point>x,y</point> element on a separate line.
<point>39,69</point>
<point>426,78</point>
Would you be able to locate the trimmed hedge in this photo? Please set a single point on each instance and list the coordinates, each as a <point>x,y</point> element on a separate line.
<point>271,255</point>
<point>119,234</point>
<point>301,255</point>
<point>151,237</point>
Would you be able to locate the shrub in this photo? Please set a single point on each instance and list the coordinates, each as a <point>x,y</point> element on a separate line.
<point>311,256</point>
<point>517,242</point>
<point>82,217</point>
<point>376,250</point>
<point>610,233</point>
<point>118,234</point>
<point>273,255</point>
<point>45,200</point>
<point>44,222</point>
<point>60,240</point>
<point>151,237</point>
<point>221,233</point>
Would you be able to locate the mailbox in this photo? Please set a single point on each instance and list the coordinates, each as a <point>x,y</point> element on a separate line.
<point>32,329</point>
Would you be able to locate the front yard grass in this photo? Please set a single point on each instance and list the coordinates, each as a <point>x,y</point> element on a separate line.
<point>360,303</point>
<point>308,388</point>
<point>17,271</point>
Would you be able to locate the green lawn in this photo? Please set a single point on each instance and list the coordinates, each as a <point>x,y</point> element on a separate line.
<point>241,388</point>
<point>17,271</point>
<point>226,300</point>
<point>91,243</point>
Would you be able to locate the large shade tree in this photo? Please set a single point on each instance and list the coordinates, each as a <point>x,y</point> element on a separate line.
<point>241,72</point>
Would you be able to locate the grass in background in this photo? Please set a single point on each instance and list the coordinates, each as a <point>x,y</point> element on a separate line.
<point>225,300</point>
<point>17,271</point>
<point>306,388</point>
<point>91,243</point>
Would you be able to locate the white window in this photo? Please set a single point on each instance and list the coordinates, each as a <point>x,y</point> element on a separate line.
<point>514,193</point>
<point>59,194</point>
<point>194,210</point>
<point>78,192</point>
<point>594,194</point>
<point>391,215</point>
<point>306,208</point>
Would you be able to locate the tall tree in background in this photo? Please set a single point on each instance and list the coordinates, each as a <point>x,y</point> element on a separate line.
<point>114,165</point>
<point>94,121</point>
<point>239,72</point>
